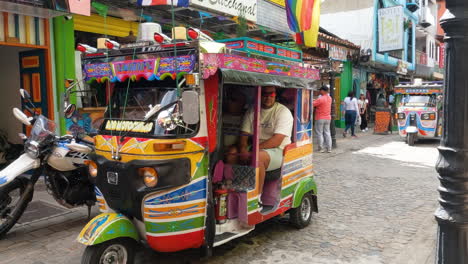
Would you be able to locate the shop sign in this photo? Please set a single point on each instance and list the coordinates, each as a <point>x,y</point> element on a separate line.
<point>337,53</point>
<point>247,8</point>
<point>391,29</point>
<point>402,67</point>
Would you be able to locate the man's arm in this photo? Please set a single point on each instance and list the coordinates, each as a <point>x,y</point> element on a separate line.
<point>273,142</point>
<point>243,142</point>
<point>318,102</point>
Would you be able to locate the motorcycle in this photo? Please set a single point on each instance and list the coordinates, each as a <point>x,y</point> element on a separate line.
<point>61,160</point>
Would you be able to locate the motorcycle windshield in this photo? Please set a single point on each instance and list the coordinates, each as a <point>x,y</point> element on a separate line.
<point>42,129</point>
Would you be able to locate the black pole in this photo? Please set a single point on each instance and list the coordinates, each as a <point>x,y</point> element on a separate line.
<point>452,165</point>
<point>333,110</point>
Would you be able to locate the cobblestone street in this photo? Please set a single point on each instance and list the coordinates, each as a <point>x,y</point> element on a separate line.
<point>376,195</point>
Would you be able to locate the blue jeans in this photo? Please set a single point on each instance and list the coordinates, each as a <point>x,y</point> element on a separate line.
<point>350,120</point>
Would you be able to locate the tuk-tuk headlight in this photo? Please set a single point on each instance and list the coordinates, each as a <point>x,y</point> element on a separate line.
<point>149,175</point>
<point>92,168</point>
<point>401,116</point>
<point>428,116</point>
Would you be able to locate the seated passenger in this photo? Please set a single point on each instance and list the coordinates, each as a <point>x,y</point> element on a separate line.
<point>276,124</point>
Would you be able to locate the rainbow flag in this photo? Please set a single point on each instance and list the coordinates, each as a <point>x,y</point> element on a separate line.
<point>304,19</point>
<point>182,3</point>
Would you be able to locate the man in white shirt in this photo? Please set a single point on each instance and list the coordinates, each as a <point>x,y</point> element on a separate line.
<point>276,124</point>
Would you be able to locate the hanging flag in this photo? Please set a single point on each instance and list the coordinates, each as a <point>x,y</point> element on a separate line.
<point>304,18</point>
<point>181,3</point>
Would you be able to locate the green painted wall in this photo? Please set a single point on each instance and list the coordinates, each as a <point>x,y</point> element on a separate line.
<point>64,41</point>
<point>346,86</point>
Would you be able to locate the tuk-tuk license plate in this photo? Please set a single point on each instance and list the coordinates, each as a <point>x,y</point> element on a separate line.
<point>112,178</point>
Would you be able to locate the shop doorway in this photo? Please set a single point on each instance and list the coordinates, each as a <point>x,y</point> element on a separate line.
<point>33,79</point>
<point>20,68</point>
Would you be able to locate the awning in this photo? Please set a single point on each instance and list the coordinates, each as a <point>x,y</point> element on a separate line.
<point>261,79</point>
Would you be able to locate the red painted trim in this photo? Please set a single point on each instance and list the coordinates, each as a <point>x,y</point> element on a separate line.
<point>211,107</point>
<point>176,242</point>
<point>257,217</point>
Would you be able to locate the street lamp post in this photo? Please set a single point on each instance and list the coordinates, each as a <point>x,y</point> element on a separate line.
<point>452,165</point>
<point>333,110</point>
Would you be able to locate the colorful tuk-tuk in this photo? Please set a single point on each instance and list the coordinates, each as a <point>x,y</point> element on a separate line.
<point>159,166</point>
<point>419,110</point>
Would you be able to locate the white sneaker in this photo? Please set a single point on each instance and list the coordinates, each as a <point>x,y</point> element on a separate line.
<point>322,151</point>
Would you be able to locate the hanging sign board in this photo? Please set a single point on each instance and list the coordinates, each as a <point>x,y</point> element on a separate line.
<point>80,7</point>
<point>391,29</point>
<point>231,7</point>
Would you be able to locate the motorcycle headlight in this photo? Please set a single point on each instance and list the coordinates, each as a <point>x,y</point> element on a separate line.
<point>32,149</point>
<point>150,176</point>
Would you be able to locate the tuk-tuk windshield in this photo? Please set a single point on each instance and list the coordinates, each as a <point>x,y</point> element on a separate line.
<point>418,100</point>
<point>142,103</point>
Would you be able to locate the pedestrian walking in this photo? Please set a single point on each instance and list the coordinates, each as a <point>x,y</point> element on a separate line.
<point>322,120</point>
<point>351,111</point>
<point>363,103</point>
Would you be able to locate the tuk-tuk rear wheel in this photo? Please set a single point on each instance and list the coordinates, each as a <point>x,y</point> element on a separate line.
<point>301,216</point>
<point>115,251</point>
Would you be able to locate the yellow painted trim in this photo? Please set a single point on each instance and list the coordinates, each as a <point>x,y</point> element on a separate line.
<point>110,26</point>
<point>26,29</point>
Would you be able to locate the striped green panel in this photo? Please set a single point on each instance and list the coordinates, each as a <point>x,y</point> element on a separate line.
<point>202,169</point>
<point>175,226</point>
<point>252,205</point>
<point>36,30</point>
<point>288,191</point>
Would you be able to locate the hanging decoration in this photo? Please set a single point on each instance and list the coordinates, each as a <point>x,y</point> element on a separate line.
<point>180,3</point>
<point>101,9</point>
<point>304,19</point>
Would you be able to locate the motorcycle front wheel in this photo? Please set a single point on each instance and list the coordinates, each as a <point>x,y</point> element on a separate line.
<point>13,202</point>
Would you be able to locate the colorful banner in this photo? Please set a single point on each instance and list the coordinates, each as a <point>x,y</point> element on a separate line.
<point>149,69</point>
<point>304,18</point>
<point>134,69</point>
<point>211,62</point>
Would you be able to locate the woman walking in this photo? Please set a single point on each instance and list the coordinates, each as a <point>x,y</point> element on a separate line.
<point>363,112</point>
<point>351,111</point>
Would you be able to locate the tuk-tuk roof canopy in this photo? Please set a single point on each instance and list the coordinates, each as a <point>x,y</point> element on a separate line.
<point>160,64</point>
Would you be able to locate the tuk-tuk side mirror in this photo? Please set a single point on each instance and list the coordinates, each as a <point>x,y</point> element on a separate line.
<point>191,107</point>
<point>69,110</point>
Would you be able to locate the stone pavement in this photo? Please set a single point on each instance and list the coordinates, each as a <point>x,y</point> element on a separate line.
<point>376,202</point>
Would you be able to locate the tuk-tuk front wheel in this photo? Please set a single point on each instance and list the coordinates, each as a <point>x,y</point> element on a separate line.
<point>410,139</point>
<point>115,251</point>
<point>301,216</point>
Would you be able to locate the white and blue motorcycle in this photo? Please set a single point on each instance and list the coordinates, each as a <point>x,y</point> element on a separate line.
<point>61,160</point>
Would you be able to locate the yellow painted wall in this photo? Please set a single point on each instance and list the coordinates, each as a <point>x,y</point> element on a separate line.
<point>107,26</point>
